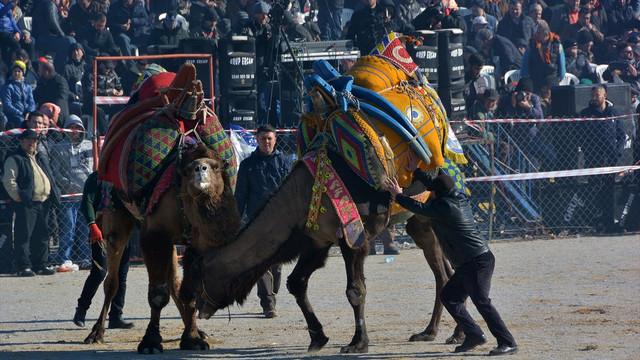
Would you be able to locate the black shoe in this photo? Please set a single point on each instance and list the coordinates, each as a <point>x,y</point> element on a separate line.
<point>78,318</point>
<point>270,313</point>
<point>470,342</point>
<point>26,273</point>
<point>504,350</point>
<point>391,250</point>
<point>119,323</point>
<point>46,271</point>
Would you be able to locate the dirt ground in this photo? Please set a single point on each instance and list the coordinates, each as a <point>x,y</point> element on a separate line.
<point>570,298</point>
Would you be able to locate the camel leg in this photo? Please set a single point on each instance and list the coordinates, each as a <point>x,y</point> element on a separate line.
<point>419,228</point>
<point>192,338</point>
<point>309,261</point>
<point>356,294</point>
<point>116,228</point>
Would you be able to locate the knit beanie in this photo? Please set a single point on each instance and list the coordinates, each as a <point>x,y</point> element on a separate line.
<point>19,64</point>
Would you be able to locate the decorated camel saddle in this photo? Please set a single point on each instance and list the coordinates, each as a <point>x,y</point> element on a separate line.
<point>373,116</point>
<point>145,141</point>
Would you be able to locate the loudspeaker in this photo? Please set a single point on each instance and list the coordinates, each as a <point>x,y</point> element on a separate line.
<point>450,59</point>
<point>452,97</point>
<point>626,200</point>
<point>292,90</point>
<point>239,108</point>
<point>569,100</point>
<point>237,64</point>
<point>426,55</point>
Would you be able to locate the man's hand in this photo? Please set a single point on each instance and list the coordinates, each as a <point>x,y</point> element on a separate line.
<point>392,186</point>
<point>632,71</point>
<point>126,26</point>
<point>96,234</point>
<point>412,162</point>
<point>26,37</point>
<point>16,36</point>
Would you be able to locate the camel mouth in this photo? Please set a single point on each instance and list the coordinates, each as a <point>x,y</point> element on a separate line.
<point>205,310</point>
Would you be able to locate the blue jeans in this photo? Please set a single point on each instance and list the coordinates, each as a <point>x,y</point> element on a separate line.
<point>71,223</point>
<point>59,45</point>
<point>330,23</point>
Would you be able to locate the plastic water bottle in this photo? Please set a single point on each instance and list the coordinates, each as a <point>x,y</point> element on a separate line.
<point>307,7</point>
<point>389,259</point>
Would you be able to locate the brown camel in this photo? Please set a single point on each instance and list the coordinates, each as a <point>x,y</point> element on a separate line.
<point>277,235</point>
<point>193,205</point>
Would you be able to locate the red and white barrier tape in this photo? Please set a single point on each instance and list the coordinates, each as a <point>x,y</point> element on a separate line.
<point>110,100</point>
<point>465,120</point>
<point>557,174</point>
<point>17,131</point>
<point>61,196</point>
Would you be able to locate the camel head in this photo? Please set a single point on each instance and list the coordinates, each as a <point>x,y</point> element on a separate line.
<point>203,173</point>
<point>209,290</point>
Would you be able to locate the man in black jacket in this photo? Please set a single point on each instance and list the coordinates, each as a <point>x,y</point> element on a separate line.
<point>258,176</point>
<point>29,181</point>
<point>52,87</point>
<point>467,251</point>
<point>504,55</point>
<point>48,34</point>
<point>515,25</point>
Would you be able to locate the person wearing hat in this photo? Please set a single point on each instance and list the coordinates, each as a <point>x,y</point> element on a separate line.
<point>201,8</point>
<point>107,84</point>
<point>585,42</point>
<point>544,57</point>
<point>206,27</point>
<point>370,24</point>
<point>483,109</point>
<point>168,31</point>
<point>490,46</point>
<point>515,25</point>
<point>17,96</point>
<point>468,252</point>
<point>575,60</point>
<point>242,24</point>
<point>73,71</point>
<point>293,31</point>
<point>478,10</point>
<point>28,179</point>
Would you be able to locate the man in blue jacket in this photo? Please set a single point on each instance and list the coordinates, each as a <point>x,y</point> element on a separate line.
<point>467,251</point>
<point>260,174</point>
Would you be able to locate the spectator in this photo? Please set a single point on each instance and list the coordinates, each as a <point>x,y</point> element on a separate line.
<point>51,112</point>
<point>261,30</point>
<point>576,62</point>
<point>619,16</point>
<point>168,32</point>
<point>598,14</point>
<point>17,97</point>
<point>107,84</point>
<point>516,25</point>
<point>387,237</point>
<point>73,71</point>
<point>469,254</point>
<point>624,68</point>
<point>294,32</point>
<point>500,50</point>
<point>608,52</point>
<point>259,174</point>
<point>475,84</point>
<point>29,181</point>
<point>236,6</point>
<point>242,25</point>
<point>26,42</point>
<point>545,96</point>
<point>131,76</point>
<point>330,16</point>
<point>128,22</point>
<point>477,10</point>
<point>97,38</point>
<point>585,42</point>
<point>535,13</point>
<point>584,22</point>
<point>544,57</point>
<point>443,14</point>
<point>206,28</point>
<point>52,87</point>
<point>602,142</point>
<point>48,33</point>
<point>564,16</point>
<point>483,109</point>
<point>81,14</point>
<point>9,32</point>
<point>476,25</point>
<point>76,153</point>
<point>92,196</point>
<point>522,103</point>
<point>31,76</point>
<point>200,8</point>
<point>522,45</point>
<point>371,24</point>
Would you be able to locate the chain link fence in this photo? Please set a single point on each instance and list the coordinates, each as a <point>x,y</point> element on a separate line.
<point>541,203</point>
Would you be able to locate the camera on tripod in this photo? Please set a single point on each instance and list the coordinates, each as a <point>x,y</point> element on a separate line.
<point>276,14</point>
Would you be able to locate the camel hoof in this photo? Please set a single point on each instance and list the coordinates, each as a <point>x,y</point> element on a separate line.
<point>202,334</point>
<point>355,349</point>
<point>93,339</point>
<point>151,344</point>
<point>423,336</point>
<point>455,339</point>
<point>189,343</point>
<point>318,343</point>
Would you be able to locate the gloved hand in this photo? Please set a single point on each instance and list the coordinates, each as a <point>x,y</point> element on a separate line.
<point>96,234</point>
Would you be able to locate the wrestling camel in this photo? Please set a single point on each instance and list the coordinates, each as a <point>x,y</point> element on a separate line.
<point>187,199</point>
<point>306,215</point>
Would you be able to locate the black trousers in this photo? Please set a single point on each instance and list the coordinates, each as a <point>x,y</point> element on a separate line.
<point>96,276</point>
<point>31,236</point>
<point>473,280</point>
<point>268,287</point>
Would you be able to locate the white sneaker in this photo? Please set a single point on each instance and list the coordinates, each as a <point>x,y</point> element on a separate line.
<point>66,266</point>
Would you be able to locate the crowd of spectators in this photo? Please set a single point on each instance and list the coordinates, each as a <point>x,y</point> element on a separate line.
<point>47,49</point>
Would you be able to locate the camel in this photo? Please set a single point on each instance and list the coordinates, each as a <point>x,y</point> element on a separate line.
<point>277,235</point>
<point>193,205</point>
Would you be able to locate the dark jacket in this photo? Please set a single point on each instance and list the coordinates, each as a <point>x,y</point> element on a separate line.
<point>560,19</point>
<point>25,177</point>
<point>602,141</point>
<point>46,20</point>
<point>161,35</point>
<point>538,70</point>
<point>524,29</point>
<point>73,73</point>
<point>509,55</point>
<point>453,20</point>
<point>119,14</point>
<point>105,82</point>
<point>258,176</point>
<point>95,42</point>
<point>54,91</point>
<point>618,18</point>
<point>452,220</point>
<point>579,66</point>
